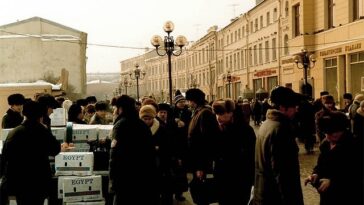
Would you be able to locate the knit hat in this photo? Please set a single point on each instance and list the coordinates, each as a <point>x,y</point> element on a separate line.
<point>147,111</point>
<point>178,98</point>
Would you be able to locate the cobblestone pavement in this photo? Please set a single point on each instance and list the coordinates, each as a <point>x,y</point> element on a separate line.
<point>307,162</point>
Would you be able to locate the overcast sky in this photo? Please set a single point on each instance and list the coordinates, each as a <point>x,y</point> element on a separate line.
<point>129,23</point>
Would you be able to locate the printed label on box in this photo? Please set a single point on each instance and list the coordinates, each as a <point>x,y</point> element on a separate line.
<point>74,163</point>
<point>82,189</point>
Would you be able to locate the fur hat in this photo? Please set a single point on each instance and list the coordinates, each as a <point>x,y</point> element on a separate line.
<point>164,106</point>
<point>196,95</point>
<point>322,93</point>
<point>328,99</point>
<point>16,99</point>
<point>223,106</point>
<point>359,97</point>
<point>147,111</point>
<point>348,96</point>
<point>285,97</point>
<point>334,121</point>
<point>178,98</point>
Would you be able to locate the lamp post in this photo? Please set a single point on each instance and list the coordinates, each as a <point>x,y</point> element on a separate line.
<point>194,83</point>
<point>138,74</point>
<point>169,49</point>
<point>126,84</point>
<point>228,78</point>
<point>307,61</point>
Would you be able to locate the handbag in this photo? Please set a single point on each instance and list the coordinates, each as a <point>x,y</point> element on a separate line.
<point>204,190</point>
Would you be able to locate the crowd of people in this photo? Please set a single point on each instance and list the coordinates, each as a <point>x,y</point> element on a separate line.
<point>154,145</point>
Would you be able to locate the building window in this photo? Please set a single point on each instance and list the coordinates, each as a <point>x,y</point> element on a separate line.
<point>296,31</point>
<point>230,61</point>
<point>231,37</point>
<point>227,40</point>
<point>251,27</point>
<point>239,33</point>
<point>357,72</point>
<point>236,89</point>
<point>272,82</point>
<point>238,60</point>
<point>242,59</point>
<point>330,13</point>
<point>260,53</point>
<point>286,9</point>
<point>236,36</point>
<point>285,44</point>
<point>255,55</point>
<point>268,18</point>
<point>243,31</point>
<point>250,56</point>
<point>234,67</point>
<point>267,49</point>
<point>355,10</point>
<point>330,72</point>
<point>261,22</point>
<point>256,24</point>
<point>275,14</point>
<point>274,55</point>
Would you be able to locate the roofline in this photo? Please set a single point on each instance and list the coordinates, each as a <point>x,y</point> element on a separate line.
<point>36,18</point>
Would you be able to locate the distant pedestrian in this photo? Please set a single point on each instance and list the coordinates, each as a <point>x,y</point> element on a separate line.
<point>338,175</point>
<point>133,171</point>
<point>28,146</point>
<point>13,116</point>
<point>234,163</point>
<point>202,135</point>
<point>277,171</point>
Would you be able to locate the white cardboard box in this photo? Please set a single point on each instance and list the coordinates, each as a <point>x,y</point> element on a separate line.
<point>59,133</point>
<point>74,163</point>
<point>77,189</point>
<point>60,185</point>
<point>58,117</point>
<point>104,131</point>
<point>81,134</point>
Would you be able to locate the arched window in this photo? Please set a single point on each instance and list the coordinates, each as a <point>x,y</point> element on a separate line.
<point>285,44</point>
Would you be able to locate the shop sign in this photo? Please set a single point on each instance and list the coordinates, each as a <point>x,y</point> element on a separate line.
<point>339,50</point>
<point>290,60</point>
<point>263,73</point>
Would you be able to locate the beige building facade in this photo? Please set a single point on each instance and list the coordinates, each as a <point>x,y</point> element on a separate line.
<point>37,48</point>
<point>257,50</point>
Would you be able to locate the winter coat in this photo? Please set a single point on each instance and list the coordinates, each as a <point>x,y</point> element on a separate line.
<point>202,134</point>
<point>25,159</point>
<point>234,166</point>
<point>132,161</point>
<point>11,119</point>
<point>277,172</point>
<point>337,164</point>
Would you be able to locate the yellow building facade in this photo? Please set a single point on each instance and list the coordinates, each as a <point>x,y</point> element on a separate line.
<point>256,50</point>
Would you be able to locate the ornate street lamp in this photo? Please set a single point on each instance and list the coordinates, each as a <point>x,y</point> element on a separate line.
<point>138,74</point>
<point>169,49</point>
<point>126,84</point>
<point>228,78</point>
<point>307,60</point>
<point>194,83</point>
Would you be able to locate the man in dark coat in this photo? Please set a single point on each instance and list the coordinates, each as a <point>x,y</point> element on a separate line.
<point>277,172</point>
<point>133,169</point>
<point>25,158</point>
<point>13,116</point>
<point>202,134</point>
